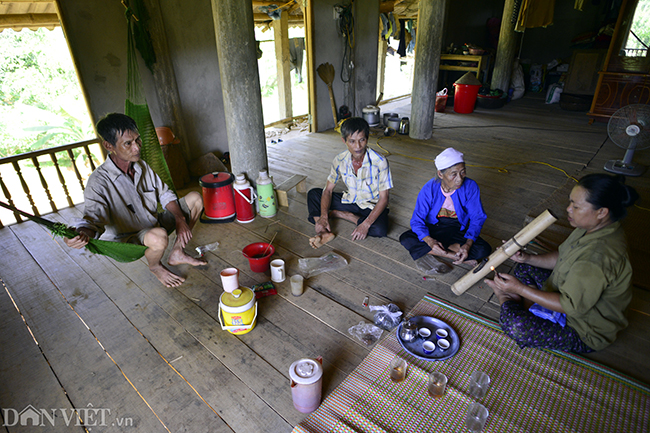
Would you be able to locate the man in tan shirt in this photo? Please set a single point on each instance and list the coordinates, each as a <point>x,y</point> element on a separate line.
<point>121,203</point>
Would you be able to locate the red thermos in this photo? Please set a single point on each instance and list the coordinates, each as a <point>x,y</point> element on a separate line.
<point>244,199</point>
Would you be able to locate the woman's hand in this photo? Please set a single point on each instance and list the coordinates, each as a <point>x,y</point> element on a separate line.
<point>435,246</point>
<point>506,287</point>
<point>519,256</point>
<point>462,254</point>
<point>506,283</point>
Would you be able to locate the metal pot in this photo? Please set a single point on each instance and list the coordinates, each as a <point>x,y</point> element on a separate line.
<point>393,123</point>
<point>371,115</point>
<point>404,126</point>
<point>388,116</point>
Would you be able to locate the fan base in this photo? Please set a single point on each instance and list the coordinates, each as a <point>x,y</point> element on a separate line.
<point>617,166</point>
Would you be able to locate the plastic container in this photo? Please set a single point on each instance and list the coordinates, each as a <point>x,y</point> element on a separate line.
<point>244,199</point>
<point>306,384</point>
<point>239,311</point>
<point>218,197</point>
<point>258,260</point>
<point>465,98</point>
<point>266,202</point>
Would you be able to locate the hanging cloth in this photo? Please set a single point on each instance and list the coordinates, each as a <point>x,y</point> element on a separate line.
<point>535,13</point>
<point>136,107</point>
<point>119,251</point>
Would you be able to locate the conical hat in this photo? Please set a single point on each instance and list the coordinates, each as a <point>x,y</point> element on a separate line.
<point>469,79</point>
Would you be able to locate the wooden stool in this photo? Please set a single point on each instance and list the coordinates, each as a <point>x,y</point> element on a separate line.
<point>297,180</point>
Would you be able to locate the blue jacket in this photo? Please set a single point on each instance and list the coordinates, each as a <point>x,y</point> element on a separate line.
<point>467,203</point>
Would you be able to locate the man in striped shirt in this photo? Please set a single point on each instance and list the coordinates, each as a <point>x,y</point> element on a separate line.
<point>367,177</point>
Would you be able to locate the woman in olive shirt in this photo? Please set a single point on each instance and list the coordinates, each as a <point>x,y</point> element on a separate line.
<point>585,295</point>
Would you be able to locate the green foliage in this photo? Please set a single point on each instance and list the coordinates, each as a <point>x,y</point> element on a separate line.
<point>640,25</point>
<point>41,104</point>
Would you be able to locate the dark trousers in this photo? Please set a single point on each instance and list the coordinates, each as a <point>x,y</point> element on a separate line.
<point>446,231</point>
<point>378,229</point>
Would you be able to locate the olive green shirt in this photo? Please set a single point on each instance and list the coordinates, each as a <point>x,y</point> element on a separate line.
<point>593,276</point>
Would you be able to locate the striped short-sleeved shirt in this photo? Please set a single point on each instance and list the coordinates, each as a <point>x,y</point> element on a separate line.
<point>364,187</point>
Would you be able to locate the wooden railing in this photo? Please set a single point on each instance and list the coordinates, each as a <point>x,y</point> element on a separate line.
<point>47,194</point>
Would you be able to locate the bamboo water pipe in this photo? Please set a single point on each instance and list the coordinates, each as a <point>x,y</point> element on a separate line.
<point>504,252</point>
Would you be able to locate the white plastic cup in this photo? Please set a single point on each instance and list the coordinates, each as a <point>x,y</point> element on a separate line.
<point>277,271</point>
<point>230,279</point>
<point>296,285</point>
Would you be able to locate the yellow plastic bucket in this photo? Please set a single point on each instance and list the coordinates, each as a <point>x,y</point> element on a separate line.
<point>239,311</point>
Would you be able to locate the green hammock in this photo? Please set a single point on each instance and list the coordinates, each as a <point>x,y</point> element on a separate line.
<point>119,251</point>
<point>136,103</point>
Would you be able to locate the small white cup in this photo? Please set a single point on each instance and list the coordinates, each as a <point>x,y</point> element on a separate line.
<point>428,347</point>
<point>443,344</point>
<point>424,332</point>
<point>277,271</point>
<point>441,333</point>
<point>296,285</point>
<point>230,279</point>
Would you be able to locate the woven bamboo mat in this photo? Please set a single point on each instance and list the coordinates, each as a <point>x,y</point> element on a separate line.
<point>531,390</point>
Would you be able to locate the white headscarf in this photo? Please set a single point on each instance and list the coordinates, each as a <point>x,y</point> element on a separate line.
<point>448,158</point>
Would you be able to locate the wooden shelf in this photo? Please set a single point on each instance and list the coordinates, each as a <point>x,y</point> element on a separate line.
<point>479,60</point>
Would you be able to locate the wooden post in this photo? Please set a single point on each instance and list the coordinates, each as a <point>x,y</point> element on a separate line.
<point>431,20</point>
<point>308,14</point>
<point>381,67</point>
<point>505,50</point>
<point>282,57</point>
<point>240,85</point>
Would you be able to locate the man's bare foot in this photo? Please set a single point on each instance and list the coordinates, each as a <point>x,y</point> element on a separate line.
<point>166,277</point>
<point>471,263</point>
<point>321,239</point>
<point>179,257</point>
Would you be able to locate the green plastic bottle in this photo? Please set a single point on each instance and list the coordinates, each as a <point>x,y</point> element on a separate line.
<point>266,202</point>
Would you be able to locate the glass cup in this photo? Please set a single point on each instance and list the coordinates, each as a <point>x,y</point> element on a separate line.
<point>296,285</point>
<point>479,382</point>
<point>476,416</point>
<point>437,384</point>
<point>398,367</point>
<point>408,331</point>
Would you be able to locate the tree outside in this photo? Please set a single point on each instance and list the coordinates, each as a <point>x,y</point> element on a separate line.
<point>41,103</point>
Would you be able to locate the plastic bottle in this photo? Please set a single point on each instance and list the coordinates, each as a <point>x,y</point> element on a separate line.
<point>266,203</point>
<point>205,248</point>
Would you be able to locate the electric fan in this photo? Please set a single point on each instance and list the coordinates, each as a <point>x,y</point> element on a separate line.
<point>629,128</point>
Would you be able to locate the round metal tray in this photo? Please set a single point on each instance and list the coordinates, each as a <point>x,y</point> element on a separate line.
<point>415,347</point>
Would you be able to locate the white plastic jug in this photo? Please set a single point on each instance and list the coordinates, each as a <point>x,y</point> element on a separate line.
<point>306,383</point>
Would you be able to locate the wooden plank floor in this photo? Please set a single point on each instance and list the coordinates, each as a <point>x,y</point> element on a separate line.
<point>109,335</point>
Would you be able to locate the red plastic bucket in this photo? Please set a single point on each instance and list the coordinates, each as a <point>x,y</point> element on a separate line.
<point>218,197</point>
<point>465,97</point>
<point>257,258</point>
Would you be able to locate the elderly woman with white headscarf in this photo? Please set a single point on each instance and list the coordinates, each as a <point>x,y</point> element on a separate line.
<point>448,217</point>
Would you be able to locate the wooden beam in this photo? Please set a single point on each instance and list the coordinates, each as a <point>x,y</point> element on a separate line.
<point>283,64</point>
<point>29,20</point>
<point>293,19</point>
